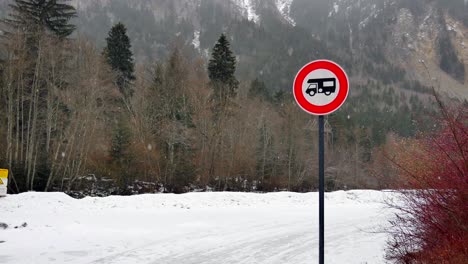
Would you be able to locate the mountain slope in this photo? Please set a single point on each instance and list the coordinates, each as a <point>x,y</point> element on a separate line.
<point>385,40</point>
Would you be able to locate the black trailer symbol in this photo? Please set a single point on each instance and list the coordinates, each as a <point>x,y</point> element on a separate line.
<point>326,86</point>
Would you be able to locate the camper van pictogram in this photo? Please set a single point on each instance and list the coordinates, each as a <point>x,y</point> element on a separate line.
<point>326,86</point>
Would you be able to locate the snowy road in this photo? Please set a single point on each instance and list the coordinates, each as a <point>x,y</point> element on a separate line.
<point>192,228</point>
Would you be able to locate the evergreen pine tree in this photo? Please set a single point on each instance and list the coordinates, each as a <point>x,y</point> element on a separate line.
<point>29,22</point>
<point>121,156</point>
<point>35,16</point>
<point>221,69</point>
<point>120,57</point>
<point>259,89</point>
<point>120,143</point>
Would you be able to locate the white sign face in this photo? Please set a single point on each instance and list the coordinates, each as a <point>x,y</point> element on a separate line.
<point>320,87</point>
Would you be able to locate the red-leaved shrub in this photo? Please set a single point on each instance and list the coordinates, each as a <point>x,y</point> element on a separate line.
<point>431,225</point>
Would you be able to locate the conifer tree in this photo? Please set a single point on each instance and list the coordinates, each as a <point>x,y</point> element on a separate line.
<point>35,16</point>
<point>120,153</point>
<point>30,22</point>
<point>258,89</point>
<point>120,142</point>
<point>221,69</point>
<point>119,56</point>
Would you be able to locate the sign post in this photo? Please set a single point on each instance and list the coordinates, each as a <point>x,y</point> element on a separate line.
<point>321,190</point>
<point>320,88</point>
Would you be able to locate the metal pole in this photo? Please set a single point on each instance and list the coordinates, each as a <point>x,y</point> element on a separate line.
<point>321,191</point>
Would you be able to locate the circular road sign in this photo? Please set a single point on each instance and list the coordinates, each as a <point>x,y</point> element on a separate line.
<point>321,87</point>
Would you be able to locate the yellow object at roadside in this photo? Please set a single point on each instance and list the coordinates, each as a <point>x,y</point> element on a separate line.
<point>3,182</point>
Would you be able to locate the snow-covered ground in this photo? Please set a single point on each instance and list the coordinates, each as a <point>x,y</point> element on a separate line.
<point>192,228</point>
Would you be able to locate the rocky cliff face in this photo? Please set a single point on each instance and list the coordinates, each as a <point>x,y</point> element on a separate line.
<point>416,45</point>
<point>408,34</point>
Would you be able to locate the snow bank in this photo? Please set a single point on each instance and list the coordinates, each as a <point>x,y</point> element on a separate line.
<point>192,228</point>
<point>54,201</point>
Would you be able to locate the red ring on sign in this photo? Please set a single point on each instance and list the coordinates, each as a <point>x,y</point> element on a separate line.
<point>335,104</point>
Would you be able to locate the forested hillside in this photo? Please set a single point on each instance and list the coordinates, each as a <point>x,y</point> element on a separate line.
<point>136,106</point>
